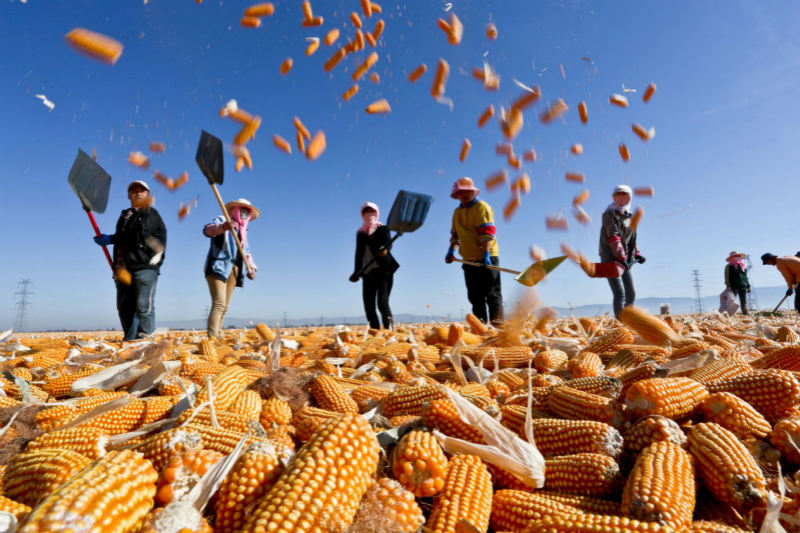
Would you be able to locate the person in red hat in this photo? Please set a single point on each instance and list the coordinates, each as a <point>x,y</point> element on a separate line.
<point>473,232</point>
<point>736,277</point>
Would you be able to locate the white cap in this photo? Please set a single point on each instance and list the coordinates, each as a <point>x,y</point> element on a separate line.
<point>623,188</point>
<point>138,182</point>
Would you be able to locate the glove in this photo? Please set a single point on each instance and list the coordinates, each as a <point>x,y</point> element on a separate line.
<point>450,255</point>
<point>251,274</point>
<point>789,291</point>
<point>353,277</point>
<point>103,240</point>
<point>640,259</point>
<point>487,259</point>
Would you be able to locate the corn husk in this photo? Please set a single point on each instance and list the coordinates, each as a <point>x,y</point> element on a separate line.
<point>110,378</point>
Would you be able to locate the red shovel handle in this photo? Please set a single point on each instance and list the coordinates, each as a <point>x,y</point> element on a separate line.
<point>97,232</point>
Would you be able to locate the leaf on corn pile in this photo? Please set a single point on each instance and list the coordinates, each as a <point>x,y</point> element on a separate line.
<point>771,523</point>
<point>24,387</point>
<point>691,362</point>
<point>110,378</point>
<point>154,375</point>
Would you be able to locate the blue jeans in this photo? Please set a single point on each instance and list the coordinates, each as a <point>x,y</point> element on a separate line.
<point>623,290</point>
<point>135,304</point>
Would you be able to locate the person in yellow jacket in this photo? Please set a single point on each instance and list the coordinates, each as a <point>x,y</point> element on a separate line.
<point>473,232</point>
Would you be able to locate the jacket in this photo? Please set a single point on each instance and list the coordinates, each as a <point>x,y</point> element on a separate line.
<point>372,243</point>
<point>223,254</point>
<point>736,277</point>
<point>789,266</point>
<point>472,227</point>
<point>139,237</point>
<point>617,238</point>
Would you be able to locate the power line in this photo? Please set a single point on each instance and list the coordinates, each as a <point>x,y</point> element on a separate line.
<point>697,286</point>
<point>22,303</point>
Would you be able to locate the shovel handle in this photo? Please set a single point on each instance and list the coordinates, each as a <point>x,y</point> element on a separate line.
<point>228,219</point>
<point>375,257</point>
<point>783,299</point>
<point>490,267</point>
<point>97,232</point>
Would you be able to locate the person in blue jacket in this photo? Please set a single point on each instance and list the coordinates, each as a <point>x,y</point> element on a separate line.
<point>225,268</point>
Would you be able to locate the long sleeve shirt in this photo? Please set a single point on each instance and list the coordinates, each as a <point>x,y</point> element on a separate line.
<point>473,227</point>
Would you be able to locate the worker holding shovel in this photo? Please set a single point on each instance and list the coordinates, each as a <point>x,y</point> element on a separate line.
<point>473,231</point>
<point>618,244</point>
<point>139,244</point>
<point>789,266</point>
<point>225,266</point>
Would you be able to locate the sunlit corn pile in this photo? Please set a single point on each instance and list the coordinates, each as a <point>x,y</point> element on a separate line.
<point>688,424</point>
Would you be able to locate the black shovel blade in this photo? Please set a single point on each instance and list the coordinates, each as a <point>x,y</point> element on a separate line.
<point>90,182</point>
<point>408,211</point>
<point>209,158</point>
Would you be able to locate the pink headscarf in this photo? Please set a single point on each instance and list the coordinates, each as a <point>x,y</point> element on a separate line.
<point>737,261</point>
<point>236,216</point>
<point>371,222</point>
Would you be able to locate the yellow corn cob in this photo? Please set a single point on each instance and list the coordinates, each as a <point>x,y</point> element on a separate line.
<point>513,510</point>
<point>585,364</point>
<point>497,389</point>
<point>419,463</point>
<point>182,473</point>
<point>88,441</point>
<point>308,419</point>
<point>208,351</point>
<point>225,419</point>
<point>513,417</point>
<point>646,370</point>
<point>157,408</point>
<point>787,358</point>
<point>719,341</point>
<point>706,526</point>
<point>329,395</point>
<point>578,405</point>
<point>120,420</point>
<point>159,448</point>
<point>727,469</point>
<point>252,476</point>
<point>652,429</point>
<point>442,415</point>
<point>265,332</point>
<point>586,504</point>
<point>550,360</point>
<point>111,495</point>
<point>33,475</point>
<point>348,384</point>
<point>275,411</point>
<point>786,334</point>
<point>661,486</point>
<point>720,369</point>
<point>342,453</point>
<point>475,389</point>
<point>768,391</point>
<point>690,348</point>
<point>409,400</point>
<point>61,385</point>
<point>561,437</point>
<point>510,379</point>
<point>477,327</point>
<point>594,523</point>
<point>613,338</point>
<point>624,360</point>
<point>253,364</point>
<point>671,397</point>
<point>220,439</point>
<point>196,369</point>
<point>600,385</point>
<point>507,356</point>
<point>659,354</point>
<point>785,436</point>
<point>226,385</point>
<point>19,510</point>
<point>5,401</point>
<point>169,385</point>
<point>589,474</point>
<point>734,414</point>
<point>467,495</point>
<point>387,506</point>
<point>366,396</point>
<point>650,328</point>
<point>403,419</point>
<point>54,417</point>
<point>487,405</point>
<point>248,404</point>
<point>541,380</point>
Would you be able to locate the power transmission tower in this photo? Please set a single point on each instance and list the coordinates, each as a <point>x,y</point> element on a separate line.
<point>22,303</point>
<point>752,300</point>
<point>697,286</point>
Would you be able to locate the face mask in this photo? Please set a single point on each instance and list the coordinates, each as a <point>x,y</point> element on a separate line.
<point>244,213</point>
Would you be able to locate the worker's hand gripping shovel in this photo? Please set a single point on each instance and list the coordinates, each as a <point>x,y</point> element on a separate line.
<point>794,287</point>
<point>528,277</point>
<point>209,159</point>
<point>91,183</point>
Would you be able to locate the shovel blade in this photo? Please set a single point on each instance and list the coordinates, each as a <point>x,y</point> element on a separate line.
<point>90,182</point>
<point>408,211</point>
<point>209,158</point>
<point>537,271</point>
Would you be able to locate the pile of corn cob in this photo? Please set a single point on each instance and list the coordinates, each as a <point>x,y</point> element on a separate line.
<point>691,424</point>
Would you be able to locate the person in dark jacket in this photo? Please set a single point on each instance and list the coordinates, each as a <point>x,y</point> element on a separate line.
<point>139,243</point>
<point>373,241</point>
<point>736,277</point>
<point>618,244</point>
<point>225,266</point>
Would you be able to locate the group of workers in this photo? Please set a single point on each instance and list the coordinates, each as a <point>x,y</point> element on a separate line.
<point>140,242</point>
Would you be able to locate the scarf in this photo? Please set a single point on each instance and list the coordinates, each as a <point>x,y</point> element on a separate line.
<point>371,222</point>
<point>236,216</point>
<point>621,209</point>
<point>737,261</point>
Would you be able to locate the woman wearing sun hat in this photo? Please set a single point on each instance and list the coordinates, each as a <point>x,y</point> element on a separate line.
<point>224,269</point>
<point>736,277</point>
<point>373,240</point>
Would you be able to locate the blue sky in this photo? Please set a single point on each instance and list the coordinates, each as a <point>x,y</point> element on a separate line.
<point>723,163</point>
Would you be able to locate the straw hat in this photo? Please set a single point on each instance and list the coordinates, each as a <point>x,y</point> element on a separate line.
<point>241,202</point>
<point>463,184</point>
<point>735,254</point>
<point>138,182</point>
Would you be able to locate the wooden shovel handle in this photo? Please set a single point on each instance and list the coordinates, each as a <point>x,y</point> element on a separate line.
<point>490,267</point>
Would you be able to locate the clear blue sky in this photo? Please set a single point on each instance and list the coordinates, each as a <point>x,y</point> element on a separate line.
<point>724,162</point>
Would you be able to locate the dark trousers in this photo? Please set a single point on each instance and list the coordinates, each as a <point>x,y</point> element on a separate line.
<point>377,286</point>
<point>483,290</point>
<point>797,298</point>
<point>742,299</point>
<point>135,304</point>
<point>624,293</point>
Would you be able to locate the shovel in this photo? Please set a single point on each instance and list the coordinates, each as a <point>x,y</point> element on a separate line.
<point>528,277</point>
<point>407,215</point>
<point>209,159</point>
<point>783,300</point>
<point>91,183</point>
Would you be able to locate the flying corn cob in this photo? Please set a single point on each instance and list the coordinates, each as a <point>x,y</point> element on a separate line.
<point>671,397</point>
<point>467,495</point>
<point>652,429</point>
<point>32,475</point>
<point>419,463</point>
<point>589,474</point>
<point>650,328</point>
<point>734,414</point>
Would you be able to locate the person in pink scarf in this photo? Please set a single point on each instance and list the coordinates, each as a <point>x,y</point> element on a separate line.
<point>225,266</point>
<point>375,265</point>
<point>736,277</point>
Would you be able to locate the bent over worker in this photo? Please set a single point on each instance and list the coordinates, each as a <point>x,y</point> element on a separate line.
<point>789,267</point>
<point>473,232</point>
